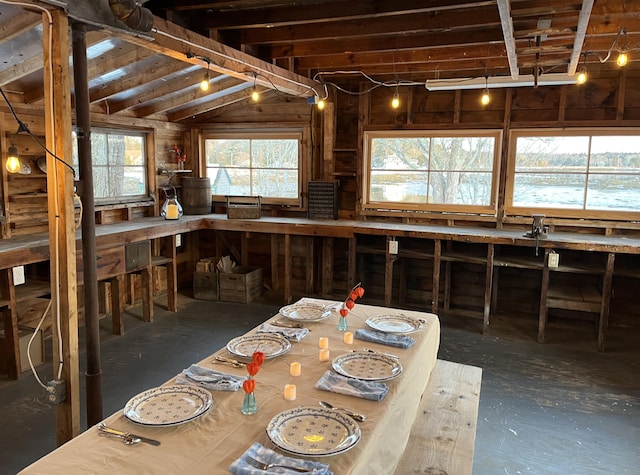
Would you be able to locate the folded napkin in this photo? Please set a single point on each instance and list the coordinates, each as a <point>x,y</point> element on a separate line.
<point>210,379</point>
<point>263,454</point>
<point>390,339</point>
<point>337,383</point>
<point>296,334</point>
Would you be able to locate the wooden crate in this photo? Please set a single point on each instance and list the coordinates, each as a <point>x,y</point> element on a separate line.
<point>205,285</point>
<point>244,207</point>
<point>242,285</point>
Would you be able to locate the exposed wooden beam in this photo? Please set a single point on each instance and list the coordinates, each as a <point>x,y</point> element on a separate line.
<point>583,22</point>
<point>175,41</point>
<point>509,41</point>
<point>155,92</point>
<point>163,67</point>
<point>193,94</point>
<point>224,101</point>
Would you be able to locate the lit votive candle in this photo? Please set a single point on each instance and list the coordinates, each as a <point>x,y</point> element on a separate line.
<point>348,338</point>
<point>295,369</point>
<point>323,342</point>
<point>324,354</point>
<point>290,392</point>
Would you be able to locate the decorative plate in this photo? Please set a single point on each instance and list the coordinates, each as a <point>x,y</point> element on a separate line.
<point>307,312</point>
<point>168,405</point>
<point>271,344</point>
<point>315,432</point>
<point>367,366</point>
<point>394,323</point>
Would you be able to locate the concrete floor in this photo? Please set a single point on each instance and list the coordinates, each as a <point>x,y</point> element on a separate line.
<point>559,408</point>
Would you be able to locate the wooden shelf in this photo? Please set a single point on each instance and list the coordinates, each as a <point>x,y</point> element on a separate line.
<point>518,263</point>
<point>574,269</point>
<point>32,289</point>
<point>449,256</point>
<point>160,260</point>
<point>27,196</point>
<point>580,298</point>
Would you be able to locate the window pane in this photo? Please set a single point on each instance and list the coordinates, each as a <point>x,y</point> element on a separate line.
<point>462,153</point>
<point>399,187</point>
<point>134,151</point>
<point>274,153</point>
<point>549,190</point>
<point>614,192</point>
<point>228,153</point>
<point>133,181</point>
<point>460,188</point>
<point>275,183</point>
<point>99,148</point>
<point>615,154</point>
<point>399,154</point>
<point>542,153</point>
<point>100,182</point>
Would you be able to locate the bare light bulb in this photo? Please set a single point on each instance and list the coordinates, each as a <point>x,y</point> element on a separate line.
<point>623,58</point>
<point>204,84</point>
<point>395,102</point>
<point>13,162</point>
<point>320,104</point>
<point>582,76</point>
<point>485,99</point>
<point>255,95</point>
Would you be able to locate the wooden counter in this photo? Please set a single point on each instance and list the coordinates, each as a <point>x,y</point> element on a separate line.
<point>33,249</point>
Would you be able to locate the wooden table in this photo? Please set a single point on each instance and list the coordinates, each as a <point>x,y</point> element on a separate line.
<point>211,443</point>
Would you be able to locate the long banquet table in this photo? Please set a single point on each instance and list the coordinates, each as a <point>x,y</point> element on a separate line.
<point>210,443</point>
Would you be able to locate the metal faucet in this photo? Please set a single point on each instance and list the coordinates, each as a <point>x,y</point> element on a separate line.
<point>538,229</point>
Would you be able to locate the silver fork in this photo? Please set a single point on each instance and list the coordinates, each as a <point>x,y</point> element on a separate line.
<point>266,466</point>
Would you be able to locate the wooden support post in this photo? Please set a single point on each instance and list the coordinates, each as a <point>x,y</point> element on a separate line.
<point>147,287</point>
<point>310,267</point>
<point>287,268</point>
<point>487,288</point>
<point>351,264</point>
<point>275,275</point>
<point>388,275</point>
<point>10,318</point>
<point>544,289</point>
<point>62,236</point>
<point>172,275</point>
<point>435,291</point>
<point>603,322</point>
<point>117,304</point>
<point>244,249</point>
<point>327,266</point>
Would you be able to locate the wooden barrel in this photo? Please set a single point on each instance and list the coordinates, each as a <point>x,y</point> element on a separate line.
<point>196,195</point>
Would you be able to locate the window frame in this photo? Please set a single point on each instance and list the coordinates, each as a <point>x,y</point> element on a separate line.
<point>383,206</point>
<point>298,133</point>
<point>511,210</point>
<point>145,135</point>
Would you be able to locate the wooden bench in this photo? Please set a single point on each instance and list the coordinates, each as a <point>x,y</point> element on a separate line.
<point>443,434</point>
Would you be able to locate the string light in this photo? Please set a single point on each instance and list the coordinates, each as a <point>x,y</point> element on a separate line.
<point>321,104</point>
<point>395,102</point>
<point>486,98</point>
<point>255,94</point>
<point>623,58</point>
<point>204,84</point>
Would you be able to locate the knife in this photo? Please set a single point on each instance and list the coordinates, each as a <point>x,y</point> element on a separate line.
<point>235,363</point>
<point>280,323</point>
<point>108,430</point>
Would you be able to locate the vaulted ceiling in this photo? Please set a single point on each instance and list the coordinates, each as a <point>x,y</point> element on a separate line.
<point>292,46</point>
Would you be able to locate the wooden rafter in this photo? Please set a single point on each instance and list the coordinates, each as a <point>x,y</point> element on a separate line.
<point>583,22</point>
<point>509,41</point>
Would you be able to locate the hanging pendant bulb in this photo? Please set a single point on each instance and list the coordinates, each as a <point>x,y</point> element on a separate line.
<point>486,98</point>
<point>395,102</point>
<point>321,104</point>
<point>13,160</point>
<point>255,95</point>
<point>582,76</point>
<point>623,59</point>
<point>204,84</point>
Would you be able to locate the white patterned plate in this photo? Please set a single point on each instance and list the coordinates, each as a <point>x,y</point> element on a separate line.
<point>367,366</point>
<point>394,323</point>
<point>306,312</point>
<point>271,344</point>
<point>315,432</point>
<point>168,405</point>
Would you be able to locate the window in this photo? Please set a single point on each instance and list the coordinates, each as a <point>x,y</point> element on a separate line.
<point>255,164</point>
<point>575,174</point>
<point>119,165</point>
<point>426,171</point>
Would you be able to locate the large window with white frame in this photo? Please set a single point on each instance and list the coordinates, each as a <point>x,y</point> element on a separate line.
<point>119,161</point>
<point>431,171</point>
<point>266,164</point>
<point>575,173</point>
